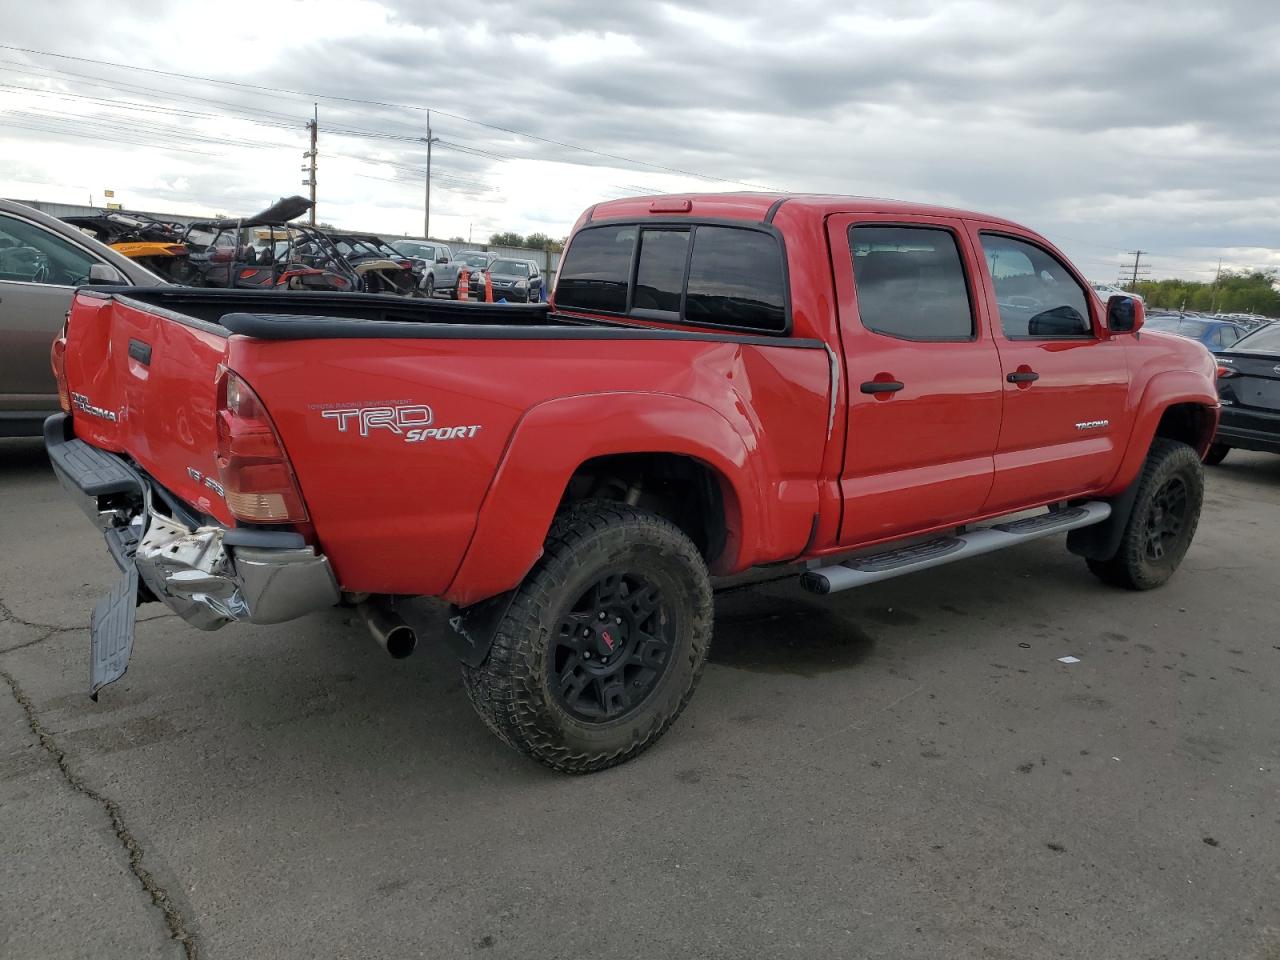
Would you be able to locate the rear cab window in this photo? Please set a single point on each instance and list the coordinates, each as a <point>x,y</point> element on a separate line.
<point>700,274</point>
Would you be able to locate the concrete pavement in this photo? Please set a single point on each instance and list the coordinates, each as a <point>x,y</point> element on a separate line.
<point>905,771</point>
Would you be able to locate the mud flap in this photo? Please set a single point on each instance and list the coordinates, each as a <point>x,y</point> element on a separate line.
<point>111,632</point>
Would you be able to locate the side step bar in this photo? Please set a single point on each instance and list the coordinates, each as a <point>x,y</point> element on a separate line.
<point>933,553</point>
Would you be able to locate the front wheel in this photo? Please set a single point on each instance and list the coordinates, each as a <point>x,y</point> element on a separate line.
<point>603,643</point>
<point>1216,454</point>
<point>429,287</point>
<point>1165,515</point>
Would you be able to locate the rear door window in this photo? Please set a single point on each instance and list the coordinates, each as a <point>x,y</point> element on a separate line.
<point>910,283</point>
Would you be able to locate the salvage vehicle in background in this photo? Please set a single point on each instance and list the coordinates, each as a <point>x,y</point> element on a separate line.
<point>1213,333</point>
<point>267,252</point>
<point>1249,391</point>
<point>156,244</point>
<point>858,388</point>
<point>42,260</point>
<point>380,268</point>
<point>430,258</point>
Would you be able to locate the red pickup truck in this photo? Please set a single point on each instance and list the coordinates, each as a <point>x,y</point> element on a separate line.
<point>859,388</point>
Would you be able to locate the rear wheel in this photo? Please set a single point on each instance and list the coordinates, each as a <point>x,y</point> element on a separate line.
<point>1164,519</point>
<point>603,643</point>
<point>1217,453</point>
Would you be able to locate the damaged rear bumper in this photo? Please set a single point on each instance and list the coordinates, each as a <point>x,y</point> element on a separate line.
<point>208,574</point>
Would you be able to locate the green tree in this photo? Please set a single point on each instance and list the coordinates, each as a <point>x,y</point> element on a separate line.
<point>506,240</point>
<point>1252,291</point>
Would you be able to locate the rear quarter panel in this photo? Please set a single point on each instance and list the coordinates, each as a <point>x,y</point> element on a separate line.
<point>397,515</point>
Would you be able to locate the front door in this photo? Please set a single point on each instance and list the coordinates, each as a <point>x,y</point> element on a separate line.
<point>1066,382</point>
<point>923,376</point>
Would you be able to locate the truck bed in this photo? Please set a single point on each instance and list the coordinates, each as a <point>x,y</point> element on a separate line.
<point>399,416</point>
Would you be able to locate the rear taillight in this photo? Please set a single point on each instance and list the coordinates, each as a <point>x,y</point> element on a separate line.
<point>58,360</point>
<point>257,479</point>
<point>1224,372</point>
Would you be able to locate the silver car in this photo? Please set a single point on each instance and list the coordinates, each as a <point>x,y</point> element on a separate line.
<point>42,261</point>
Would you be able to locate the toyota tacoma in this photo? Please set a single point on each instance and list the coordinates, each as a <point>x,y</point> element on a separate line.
<point>859,389</point>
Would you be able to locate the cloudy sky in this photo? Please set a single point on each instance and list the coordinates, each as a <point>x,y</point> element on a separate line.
<point>1108,126</point>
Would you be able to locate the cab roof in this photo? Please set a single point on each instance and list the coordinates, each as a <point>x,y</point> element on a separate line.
<point>761,206</point>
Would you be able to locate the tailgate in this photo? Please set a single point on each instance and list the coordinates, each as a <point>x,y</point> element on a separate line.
<point>143,382</point>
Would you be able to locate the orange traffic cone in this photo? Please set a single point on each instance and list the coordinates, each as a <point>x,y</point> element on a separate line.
<point>488,287</point>
<point>464,284</point>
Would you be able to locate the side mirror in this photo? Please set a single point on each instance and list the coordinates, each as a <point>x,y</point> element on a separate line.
<point>1125,314</point>
<point>442,259</point>
<point>103,274</point>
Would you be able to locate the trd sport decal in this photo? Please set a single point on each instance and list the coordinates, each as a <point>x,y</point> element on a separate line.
<point>412,421</point>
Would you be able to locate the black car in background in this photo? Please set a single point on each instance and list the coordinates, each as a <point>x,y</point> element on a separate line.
<point>516,281</point>
<point>1249,391</point>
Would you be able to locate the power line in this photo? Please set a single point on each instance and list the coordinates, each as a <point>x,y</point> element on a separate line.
<point>388,104</point>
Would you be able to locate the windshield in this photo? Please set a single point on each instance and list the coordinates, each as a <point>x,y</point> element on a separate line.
<point>512,268</point>
<point>1167,324</point>
<point>476,260</point>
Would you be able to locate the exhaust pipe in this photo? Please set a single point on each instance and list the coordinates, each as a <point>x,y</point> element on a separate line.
<point>389,629</point>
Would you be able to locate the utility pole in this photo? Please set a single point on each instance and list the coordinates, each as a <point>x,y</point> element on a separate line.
<point>426,206</point>
<point>1137,259</point>
<point>314,126</point>
<point>1213,304</point>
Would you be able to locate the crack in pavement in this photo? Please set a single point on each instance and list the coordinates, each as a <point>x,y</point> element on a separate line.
<point>159,897</point>
<point>51,628</point>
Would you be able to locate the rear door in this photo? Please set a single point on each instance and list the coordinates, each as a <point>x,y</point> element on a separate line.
<point>1066,382</point>
<point>922,372</point>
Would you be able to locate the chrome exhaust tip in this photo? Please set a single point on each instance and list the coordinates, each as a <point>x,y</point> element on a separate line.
<point>389,629</point>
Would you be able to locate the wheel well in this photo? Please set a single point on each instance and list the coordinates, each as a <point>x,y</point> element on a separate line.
<point>1189,423</point>
<point>684,490</point>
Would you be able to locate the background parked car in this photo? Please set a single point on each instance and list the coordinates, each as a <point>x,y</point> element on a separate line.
<point>1249,391</point>
<point>516,281</point>
<point>1213,333</point>
<point>42,260</point>
<point>445,275</point>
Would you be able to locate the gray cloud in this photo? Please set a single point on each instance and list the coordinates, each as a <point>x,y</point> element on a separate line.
<point>1118,124</point>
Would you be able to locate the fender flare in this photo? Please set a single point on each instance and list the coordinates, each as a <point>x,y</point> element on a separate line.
<point>1101,541</point>
<point>549,443</point>
<point>1163,391</point>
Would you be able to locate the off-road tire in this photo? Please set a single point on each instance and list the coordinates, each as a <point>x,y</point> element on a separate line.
<point>512,689</point>
<point>1133,565</point>
<point>1217,453</point>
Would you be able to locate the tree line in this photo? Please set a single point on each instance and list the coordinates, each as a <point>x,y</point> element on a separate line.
<point>1252,291</point>
<point>534,241</point>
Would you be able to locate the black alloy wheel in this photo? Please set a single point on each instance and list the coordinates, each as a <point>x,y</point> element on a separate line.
<point>1166,519</point>
<point>611,648</point>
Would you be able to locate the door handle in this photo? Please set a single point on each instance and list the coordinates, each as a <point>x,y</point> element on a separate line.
<point>1023,376</point>
<point>882,386</point>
